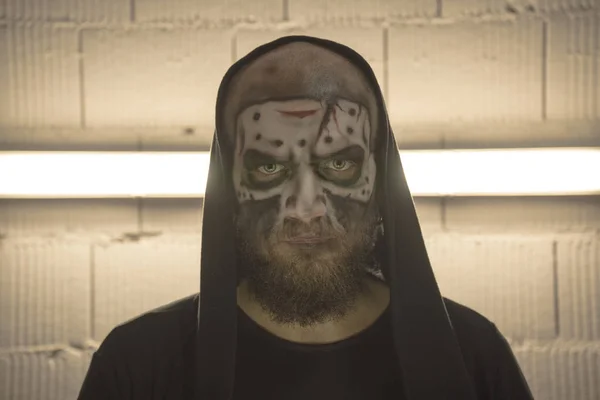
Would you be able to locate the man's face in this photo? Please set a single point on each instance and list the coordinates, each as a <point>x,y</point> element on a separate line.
<point>304,174</point>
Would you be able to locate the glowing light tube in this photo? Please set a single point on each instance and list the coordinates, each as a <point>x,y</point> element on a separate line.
<point>497,172</point>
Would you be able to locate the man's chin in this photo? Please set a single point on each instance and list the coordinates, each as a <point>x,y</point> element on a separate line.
<point>305,283</point>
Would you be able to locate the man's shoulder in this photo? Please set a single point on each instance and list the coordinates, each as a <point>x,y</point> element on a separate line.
<point>473,330</point>
<point>162,330</point>
<point>479,338</point>
<point>466,318</point>
<point>487,354</point>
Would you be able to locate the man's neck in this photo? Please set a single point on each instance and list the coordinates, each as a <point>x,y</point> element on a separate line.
<point>369,306</point>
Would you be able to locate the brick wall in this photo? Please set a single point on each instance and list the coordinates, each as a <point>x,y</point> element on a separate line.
<point>143,74</point>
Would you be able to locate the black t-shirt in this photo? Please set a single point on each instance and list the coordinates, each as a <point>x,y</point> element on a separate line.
<point>153,357</point>
<point>364,366</point>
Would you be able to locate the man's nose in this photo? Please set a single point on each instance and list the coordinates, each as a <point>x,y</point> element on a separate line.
<point>306,214</point>
<point>307,202</point>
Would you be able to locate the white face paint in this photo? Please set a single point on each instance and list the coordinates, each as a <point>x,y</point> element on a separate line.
<point>303,150</point>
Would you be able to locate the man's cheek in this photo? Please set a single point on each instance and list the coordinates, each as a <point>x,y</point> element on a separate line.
<point>259,216</point>
<point>348,212</point>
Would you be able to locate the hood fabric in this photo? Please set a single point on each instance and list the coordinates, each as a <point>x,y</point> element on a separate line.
<point>430,358</point>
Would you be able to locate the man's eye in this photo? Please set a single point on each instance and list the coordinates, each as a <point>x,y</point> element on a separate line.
<point>270,169</point>
<point>338,165</point>
<point>339,171</point>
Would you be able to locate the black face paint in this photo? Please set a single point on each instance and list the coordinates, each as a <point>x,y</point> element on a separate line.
<point>353,155</point>
<point>254,160</point>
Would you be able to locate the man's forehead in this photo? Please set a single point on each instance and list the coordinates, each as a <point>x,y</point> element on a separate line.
<point>297,70</point>
<point>295,111</point>
<point>286,129</point>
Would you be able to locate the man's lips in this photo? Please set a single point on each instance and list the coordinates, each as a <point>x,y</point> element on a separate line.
<point>308,239</point>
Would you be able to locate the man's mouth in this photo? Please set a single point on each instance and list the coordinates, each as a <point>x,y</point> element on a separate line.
<point>308,239</point>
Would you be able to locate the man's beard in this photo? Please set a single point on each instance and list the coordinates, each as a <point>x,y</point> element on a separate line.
<point>306,285</point>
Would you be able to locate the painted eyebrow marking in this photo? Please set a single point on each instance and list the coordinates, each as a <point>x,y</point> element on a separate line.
<point>354,153</point>
<point>298,114</point>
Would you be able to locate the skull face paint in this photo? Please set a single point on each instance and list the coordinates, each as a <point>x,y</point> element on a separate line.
<point>302,150</point>
<point>304,173</point>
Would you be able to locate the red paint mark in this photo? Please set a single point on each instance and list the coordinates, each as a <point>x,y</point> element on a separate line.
<point>299,113</point>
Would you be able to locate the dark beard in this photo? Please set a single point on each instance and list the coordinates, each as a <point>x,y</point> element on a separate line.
<point>306,286</point>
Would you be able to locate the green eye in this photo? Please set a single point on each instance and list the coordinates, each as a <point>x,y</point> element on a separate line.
<point>270,169</point>
<point>339,171</point>
<point>339,165</point>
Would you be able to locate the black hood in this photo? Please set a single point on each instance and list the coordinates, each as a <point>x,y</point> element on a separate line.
<point>428,351</point>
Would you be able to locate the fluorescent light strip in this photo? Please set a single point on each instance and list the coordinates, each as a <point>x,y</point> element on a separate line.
<point>505,172</point>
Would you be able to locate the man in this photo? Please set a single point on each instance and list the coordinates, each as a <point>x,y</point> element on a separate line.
<point>319,287</point>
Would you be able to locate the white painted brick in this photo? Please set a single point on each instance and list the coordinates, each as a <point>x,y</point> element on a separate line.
<point>563,5</point>
<point>574,66</point>
<point>171,215</point>
<point>507,215</point>
<point>211,10</point>
<point>180,139</point>
<point>57,217</point>
<point>508,279</point>
<point>366,41</point>
<point>4,377</point>
<point>342,10</point>
<point>5,85</point>
<point>67,139</point>
<point>417,136</point>
<point>561,370</point>
<point>488,134</point>
<point>52,375</point>
<point>107,139</point>
<point>44,293</point>
<point>465,71</point>
<point>429,211</point>
<point>453,8</point>
<point>154,77</point>
<point>578,266</point>
<point>39,71</point>
<point>507,134</point>
<point>68,10</point>
<point>135,277</point>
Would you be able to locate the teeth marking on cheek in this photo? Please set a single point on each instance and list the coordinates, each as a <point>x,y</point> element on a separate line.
<point>245,195</point>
